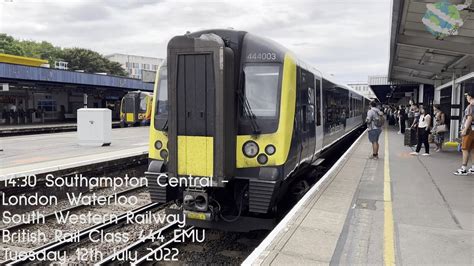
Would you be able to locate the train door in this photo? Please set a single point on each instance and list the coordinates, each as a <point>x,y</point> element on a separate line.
<point>319,112</point>
<point>307,93</point>
<point>201,119</point>
<point>195,89</point>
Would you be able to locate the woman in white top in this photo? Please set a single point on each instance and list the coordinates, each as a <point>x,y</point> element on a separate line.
<point>423,129</point>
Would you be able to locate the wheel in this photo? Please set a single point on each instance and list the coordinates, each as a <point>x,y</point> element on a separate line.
<point>299,189</point>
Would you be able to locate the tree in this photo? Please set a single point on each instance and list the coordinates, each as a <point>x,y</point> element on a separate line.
<point>77,58</point>
<point>43,50</point>
<point>8,45</point>
<point>90,61</point>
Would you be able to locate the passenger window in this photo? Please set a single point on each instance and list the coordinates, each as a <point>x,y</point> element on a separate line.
<point>318,102</point>
<point>310,109</point>
<point>307,95</point>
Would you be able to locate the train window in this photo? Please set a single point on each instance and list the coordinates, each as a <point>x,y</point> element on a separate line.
<point>318,102</point>
<point>162,102</point>
<point>161,108</point>
<point>310,109</point>
<point>128,103</point>
<point>311,95</point>
<point>142,103</point>
<point>336,107</point>
<point>307,99</point>
<point>261,89</point>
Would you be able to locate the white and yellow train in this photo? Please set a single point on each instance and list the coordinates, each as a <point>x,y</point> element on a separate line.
<point>244,114</point>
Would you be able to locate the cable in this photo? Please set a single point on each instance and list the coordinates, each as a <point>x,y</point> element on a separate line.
<point>240,208</point>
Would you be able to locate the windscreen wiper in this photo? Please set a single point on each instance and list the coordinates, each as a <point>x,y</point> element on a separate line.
<point>249,113</point>
<point>165,126</point>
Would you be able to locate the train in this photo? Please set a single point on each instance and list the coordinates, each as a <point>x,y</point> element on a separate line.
<point>236,118</point>
<point>136,108</point>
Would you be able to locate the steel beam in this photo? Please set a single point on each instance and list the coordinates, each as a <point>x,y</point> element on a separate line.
<point>427,43</point>
<point>425,68</point>
<point>415,79</point>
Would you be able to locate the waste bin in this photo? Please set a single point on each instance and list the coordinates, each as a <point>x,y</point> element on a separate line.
<point>94,126</point>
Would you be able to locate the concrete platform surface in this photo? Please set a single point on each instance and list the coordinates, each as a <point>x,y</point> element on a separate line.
<point>414,203</point>
<point>44,153</point>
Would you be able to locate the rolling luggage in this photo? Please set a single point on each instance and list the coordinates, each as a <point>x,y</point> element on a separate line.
<point>410,137</point>
<point>391,121</point>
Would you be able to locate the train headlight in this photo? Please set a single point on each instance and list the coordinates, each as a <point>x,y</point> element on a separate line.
<point>270,149</point>
<point>158,145</point>
<point>262,159</point>
<point>250,149</point>
<point>164,154</point>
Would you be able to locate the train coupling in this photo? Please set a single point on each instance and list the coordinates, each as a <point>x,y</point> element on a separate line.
<point>196,205</point>
<point>195,200</point>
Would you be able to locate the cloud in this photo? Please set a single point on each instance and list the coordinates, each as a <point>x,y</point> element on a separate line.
<point>349,39</point>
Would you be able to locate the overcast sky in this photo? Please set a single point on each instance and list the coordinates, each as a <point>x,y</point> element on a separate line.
<point>346,38</point>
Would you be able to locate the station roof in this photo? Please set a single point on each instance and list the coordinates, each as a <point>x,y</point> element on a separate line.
<point>385,89</point>
<point>21,73</point>
<point>21,60</point>
<point>417,55</point>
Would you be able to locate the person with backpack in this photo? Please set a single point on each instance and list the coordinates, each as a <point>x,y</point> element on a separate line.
<point>423,125</point>
<point>375,122</point>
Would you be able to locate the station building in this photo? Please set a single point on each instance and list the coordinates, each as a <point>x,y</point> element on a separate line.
<point>136,66</point>
<point>30,92</point>
<point>362,88</point>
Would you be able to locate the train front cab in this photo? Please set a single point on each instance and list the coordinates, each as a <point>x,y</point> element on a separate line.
<point>208,137</point>
<point>136,109</point>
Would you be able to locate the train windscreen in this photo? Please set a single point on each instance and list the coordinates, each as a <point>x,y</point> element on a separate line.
<point>261,89</point>
<point>142,103</point>
<point>161,110</point>
<point>128,104</point>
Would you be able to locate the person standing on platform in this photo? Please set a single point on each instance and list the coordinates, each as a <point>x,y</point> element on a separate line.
<point>467,135</point>
<point>416,115</point>
<point>423,129</point>
<point>401,119</point>
<point>375,122</point>
<point>439,127</point>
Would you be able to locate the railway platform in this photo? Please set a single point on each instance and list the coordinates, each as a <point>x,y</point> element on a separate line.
<point>51,153</point>
<point>400,209</point>
<point>27,129</point>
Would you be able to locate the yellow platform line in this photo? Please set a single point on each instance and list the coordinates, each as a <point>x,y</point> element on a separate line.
<point>388,232</point>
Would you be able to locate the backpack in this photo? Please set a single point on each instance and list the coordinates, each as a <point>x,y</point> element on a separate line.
<point>379,119</point>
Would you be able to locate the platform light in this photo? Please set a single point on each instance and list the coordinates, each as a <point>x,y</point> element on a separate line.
<point>250,149</point>
<point>270,149</point>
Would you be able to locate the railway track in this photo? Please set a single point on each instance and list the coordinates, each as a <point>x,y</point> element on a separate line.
<point>85,234</point>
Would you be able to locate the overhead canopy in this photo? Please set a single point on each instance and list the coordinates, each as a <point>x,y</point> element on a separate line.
<point>419,56</point>
<point>390,91</point>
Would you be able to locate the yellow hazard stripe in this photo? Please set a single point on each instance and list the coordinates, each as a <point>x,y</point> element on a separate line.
<point>388,231</point>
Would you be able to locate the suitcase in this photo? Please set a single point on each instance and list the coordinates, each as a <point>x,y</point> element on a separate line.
<point>391,121</point>
<point>410,137</point>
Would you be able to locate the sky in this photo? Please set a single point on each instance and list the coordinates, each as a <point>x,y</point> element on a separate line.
<point>344,38</point>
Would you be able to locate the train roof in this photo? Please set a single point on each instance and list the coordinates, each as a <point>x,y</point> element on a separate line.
<point>235,38</point>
